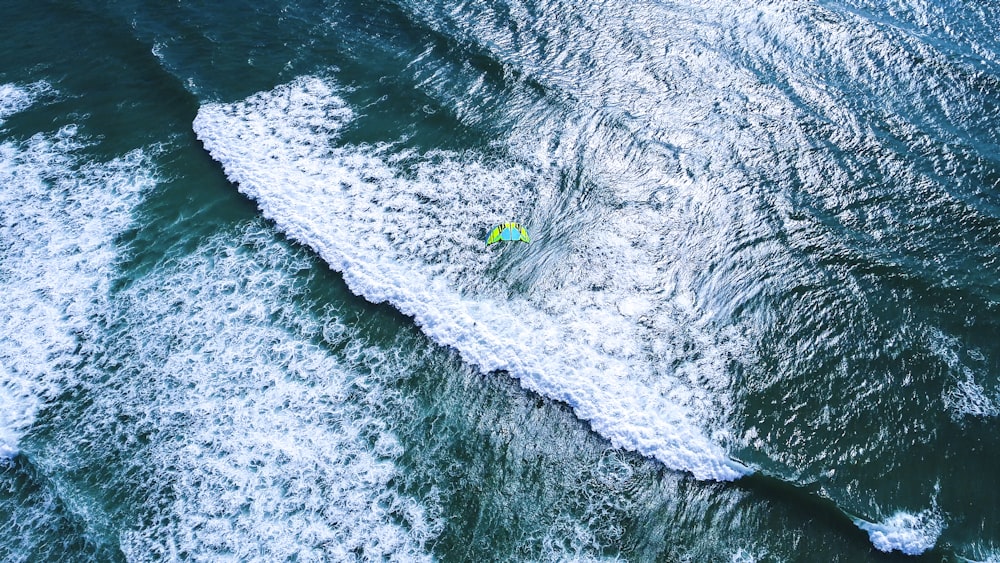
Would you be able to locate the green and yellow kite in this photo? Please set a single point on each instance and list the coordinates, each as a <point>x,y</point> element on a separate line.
<point>508,232</point>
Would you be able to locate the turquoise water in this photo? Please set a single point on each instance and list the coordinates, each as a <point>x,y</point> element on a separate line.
<point>250,314</point>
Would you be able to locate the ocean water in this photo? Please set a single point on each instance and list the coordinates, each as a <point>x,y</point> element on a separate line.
<point>249,314</point>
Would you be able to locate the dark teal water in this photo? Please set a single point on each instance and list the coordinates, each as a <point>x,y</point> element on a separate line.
<point>249,314</point>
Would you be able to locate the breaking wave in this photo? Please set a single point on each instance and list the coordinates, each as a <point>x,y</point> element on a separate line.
<point>371,214</point>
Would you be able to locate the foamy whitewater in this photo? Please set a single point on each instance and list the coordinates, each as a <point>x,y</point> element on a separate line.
<point>59,216</point>
<point>911,534</point>
<point>248,447</point>
<point>263,456</point>
<point>367,218</point>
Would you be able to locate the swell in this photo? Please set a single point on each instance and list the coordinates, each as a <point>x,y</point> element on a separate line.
<point>902,114</point>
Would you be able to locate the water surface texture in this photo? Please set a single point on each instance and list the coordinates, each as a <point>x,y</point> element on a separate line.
<point>250,314</point>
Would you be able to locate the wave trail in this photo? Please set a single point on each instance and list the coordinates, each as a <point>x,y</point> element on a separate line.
<point>372,220</point>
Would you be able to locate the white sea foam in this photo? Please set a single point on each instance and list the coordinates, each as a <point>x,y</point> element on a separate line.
<point>965,397</point>
<point>17,410</point>
<point>909,533</point>
<point>256,450</point>
<point>744,556</point>
<point>407,230</point>
<point>15,98</point>
<point>265,446</point>
<point>969,398</point>
<point>59,217</point>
